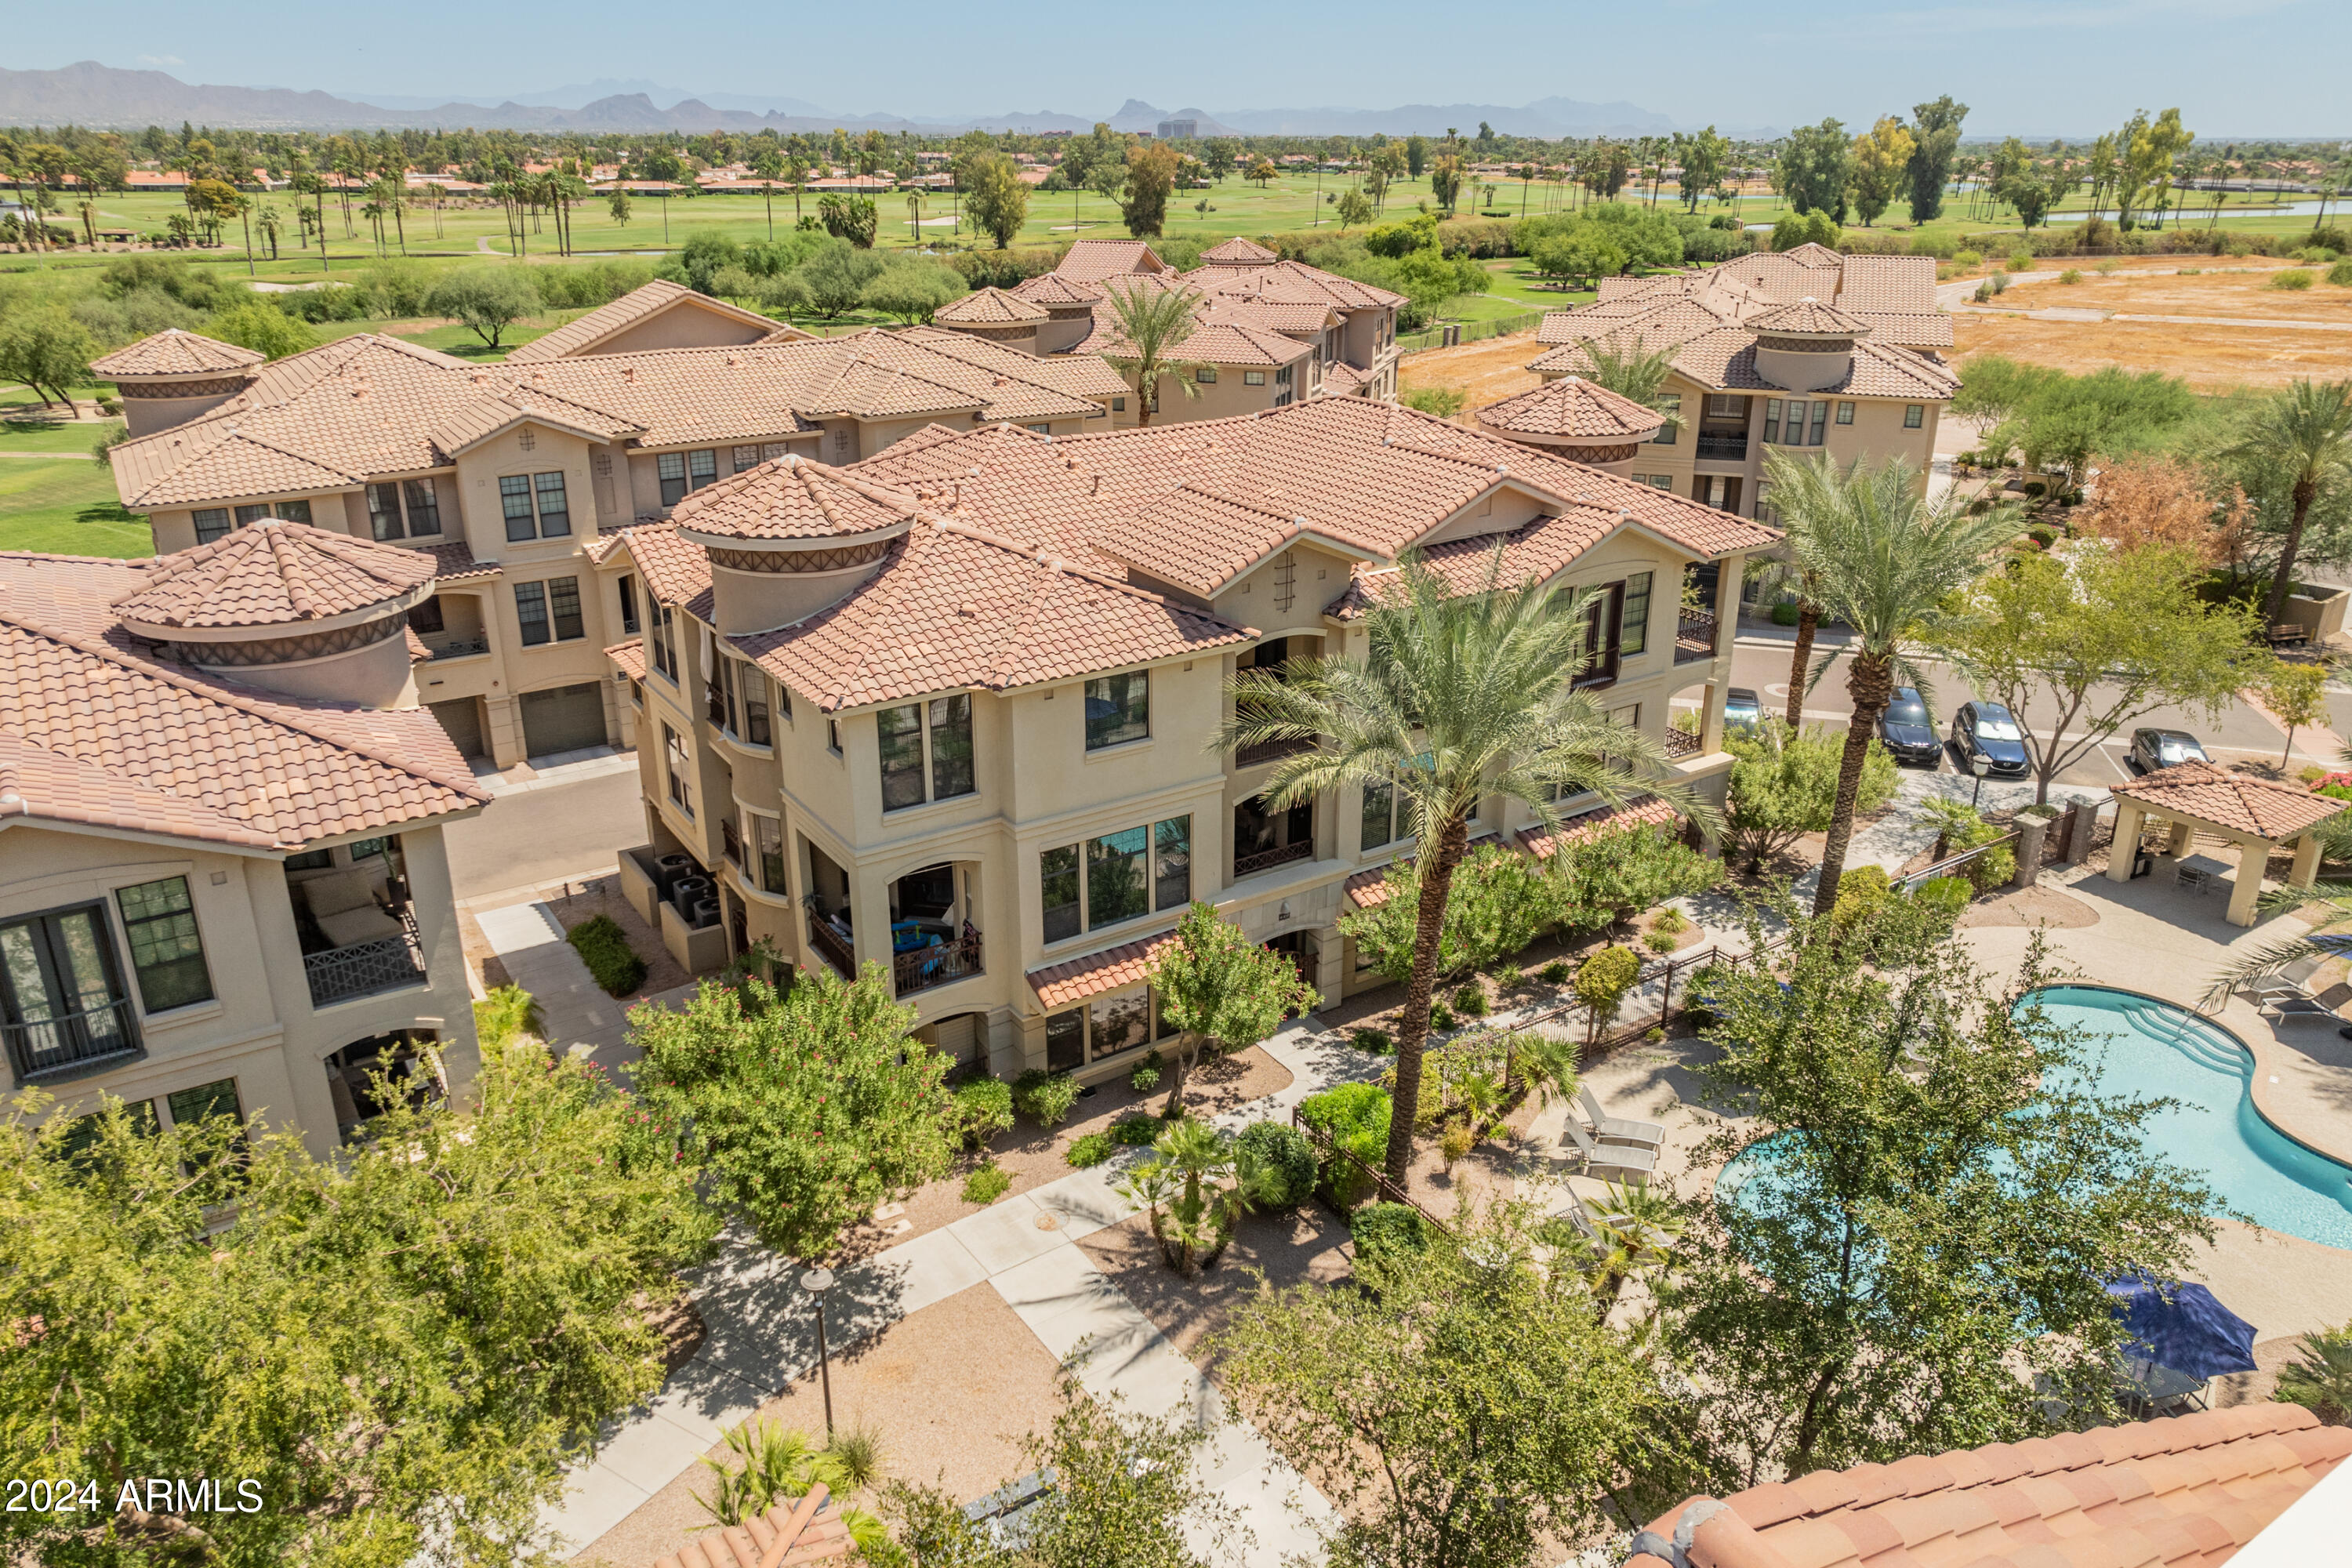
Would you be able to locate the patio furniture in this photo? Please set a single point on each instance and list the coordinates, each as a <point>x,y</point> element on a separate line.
<point>2287,995</point>
<point>2149,1389</point>
<point>2181,1336</point>
<point>2198,873</point>
<point>1632,1164</point>
<point>1611,1129</point>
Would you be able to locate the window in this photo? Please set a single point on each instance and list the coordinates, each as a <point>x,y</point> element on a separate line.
<point>1118,406</point>
<point>1057,872</point>
<point>1380,812</point>
<point>1726,405</point>
<point>212,522</point>
<point>664,640</point>
<point>755,704</point>
<point>942,727</point>
<point>1771,421</point>
<point>701,469</point>
<point>1066,1039</point>
<point>1171,863</point>
<point>360,849</point>
<point>383,511</point>
<point>1116,890</point>
<point>1253,378</point>
<point>1796,420</point>
<point>564,598</point>
<point>554,511</point>
<point>671,468</point>
<point>746,458</point>
<point>841,441</point>
<point>1633,623</point>
<point>248,515</point>
<point>424,506</point>
<point>1820,422</point>
<point>1671,406</point>
<point>1282,375</point>
<point>1039,430</point>
<point>1845,413</point>
<point>1117,1022</point>
<point>310,860</point>
<point>638,693</point>
<point>832,736</point>
<point>1118,709</point>
<point>1914,415</point>
<point>681,787</point>
<point>190,1106</point>
<point>292,511</point>
<point>60,993</point>
<point>768,844</point>
<point>1205,376</point>
<point>514,501</point>
<point>783,699</point>
<point>166,954</point>
<point>548,611</point>
<point>628,604</point>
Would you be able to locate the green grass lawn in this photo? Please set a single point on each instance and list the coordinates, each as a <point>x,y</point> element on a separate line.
<point>42,435</point>
<point>66,505</point>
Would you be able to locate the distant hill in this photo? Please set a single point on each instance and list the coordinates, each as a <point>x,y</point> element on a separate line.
<point>1551,117</point>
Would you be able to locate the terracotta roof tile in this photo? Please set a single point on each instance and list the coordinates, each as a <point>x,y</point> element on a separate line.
<point>1807,317</point>
<point>454,563</point>
<point>1289,283</point>
<point>1725,357</point>
<point>1091,260</point>
<point>273,573</point>
<point>1074,980</point>
<point>1574,407</point>
<point>172,352</point>
<point>989,307</point>
<point>631,658</point>
<point>1238,252</point>
<point>1050,289</point>
<point>2273,809</point>
<point>102,731</point>
<point>581,335</point>
<point>675,570</point>
<point>789,498</point>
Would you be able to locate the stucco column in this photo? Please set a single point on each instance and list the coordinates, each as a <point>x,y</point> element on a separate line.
<point>2252,855</point>
<point>2178,841</point>
<point>1717,696</point>
<point>2128,818</point>
<point>1330,958</point>
<point>869,917</point>
<point>2306,862</point>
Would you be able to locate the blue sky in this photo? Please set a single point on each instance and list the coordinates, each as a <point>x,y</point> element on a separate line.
<point>2234,67</point>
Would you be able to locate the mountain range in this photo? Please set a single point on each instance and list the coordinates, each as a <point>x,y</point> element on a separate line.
<point>91,94</point>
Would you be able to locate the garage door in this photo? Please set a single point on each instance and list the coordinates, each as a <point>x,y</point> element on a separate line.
<point>463,719</point>
<point>563,719</point>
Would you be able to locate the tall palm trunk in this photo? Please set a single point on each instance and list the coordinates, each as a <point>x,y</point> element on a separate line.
<point>1809,618</point>
<point>2305,492</point>
<point>1413,1023</point>
<point>1870,681</point>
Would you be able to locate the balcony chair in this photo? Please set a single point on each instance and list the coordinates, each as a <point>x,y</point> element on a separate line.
<point>346,909</point>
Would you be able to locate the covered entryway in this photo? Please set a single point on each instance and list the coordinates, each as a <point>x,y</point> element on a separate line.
<point>462,719</point>
<point>2256,814</point>
<point>567,719</point>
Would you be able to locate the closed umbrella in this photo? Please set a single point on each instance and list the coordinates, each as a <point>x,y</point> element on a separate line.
<point>2183,1327</point>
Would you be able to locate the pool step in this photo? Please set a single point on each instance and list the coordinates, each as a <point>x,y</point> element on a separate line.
<point>2198,1042</point>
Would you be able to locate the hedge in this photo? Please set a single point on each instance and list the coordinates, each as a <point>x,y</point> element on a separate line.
<point>605,948</point>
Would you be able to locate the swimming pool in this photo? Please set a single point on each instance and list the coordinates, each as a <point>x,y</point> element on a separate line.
<point>2145,1048</point>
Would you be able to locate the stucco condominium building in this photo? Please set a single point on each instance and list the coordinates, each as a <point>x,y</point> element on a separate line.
<point>948,709</point>
<point>505,478</point>
<point>1269,333</point>
<point>223,887</point>
<point>1804,349</point>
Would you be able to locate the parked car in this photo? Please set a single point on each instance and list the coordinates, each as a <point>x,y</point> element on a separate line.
<point>1988,729</point>
<point>1904,729</point>
<point>1741,711</point>
<point>2154,749</point>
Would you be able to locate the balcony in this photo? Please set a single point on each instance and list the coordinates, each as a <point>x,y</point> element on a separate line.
<point>1266,751</point>
<point>71,1042</point>
<point>1267,859</point>
<point>441,648</point>
<point>731,840</point>
<point>1681,743</point>
<point>1722,446</point>
<point>833,945</point>
<point>363,968</point>
<point>1693,636</point>
<point>919,969</point>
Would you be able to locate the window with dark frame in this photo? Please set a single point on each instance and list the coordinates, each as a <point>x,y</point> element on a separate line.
<point>1671,405</point>
<point>1914,414</point>
<point>628,604</point>
<point>61,987</point>
<point>1115,889</point>
<point>1118,709</point>
<point>1115,878</point>
<point>1066,1039</point>
<point>681,787</point>
<point>514,501</point>
<point>383,511</point>
<point>1057,872</point>
<point>1380,814</point>
<point>1634,615</point>
<point>1845,412</point>
<point>925,751</point>
<point>531,611</point>
<point>701,469</point>
<point>1820,424</point>
<point>563,603</point>
<point>554,509</point>
<point>1171,863</point>
<point>212,522</point>
<point>424,507</point>
<point>670,468</point>
<point>167,952</point>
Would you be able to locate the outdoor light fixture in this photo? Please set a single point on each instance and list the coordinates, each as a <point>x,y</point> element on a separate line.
<point>817,1283</point>
<point>1979,767</point>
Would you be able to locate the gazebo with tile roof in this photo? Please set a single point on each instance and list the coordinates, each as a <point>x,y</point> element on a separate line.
<point>2257,814</point>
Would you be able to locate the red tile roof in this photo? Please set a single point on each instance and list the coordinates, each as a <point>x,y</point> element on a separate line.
<point>989,307</point>
<point>789,498</point>
<point>1809,317</point>
<point>631,658</point>
<point>172,352</point>
<point>642,303</point>
<point>1369,889</point>
<point>456,563</point>
<point>1238,252</point>
<point>1091,260</point>
<point>1586,826</point>
<point>1575,408</point>
<point>273,573</point>
<point>2183,1492</point>
<point>1128,964</point>
<point>2269,808</point>
<point>96,728</point>
<point>1057,288</point>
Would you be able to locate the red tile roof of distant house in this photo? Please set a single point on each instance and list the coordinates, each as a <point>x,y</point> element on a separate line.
<point>1092,260</point>
<point>989,307</point>
<point>639,305</point>
<point>273,573</point>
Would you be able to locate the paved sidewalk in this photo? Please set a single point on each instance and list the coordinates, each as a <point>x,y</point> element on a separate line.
<point>555,770</point>
<point>530,943</point>
<point>761,1332</point>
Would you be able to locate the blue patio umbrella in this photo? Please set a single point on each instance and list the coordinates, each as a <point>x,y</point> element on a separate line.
<point>2183,1327</point>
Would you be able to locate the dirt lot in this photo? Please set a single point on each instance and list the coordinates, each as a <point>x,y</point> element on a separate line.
<point>2210,359</point>
<point>2230,289</point>
<point>1483,373</point>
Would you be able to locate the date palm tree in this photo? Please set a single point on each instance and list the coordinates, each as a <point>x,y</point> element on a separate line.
<point>2304,434</point>
<point>1880,556</point>
<point>1154,320</point>
<point>1459,696</point>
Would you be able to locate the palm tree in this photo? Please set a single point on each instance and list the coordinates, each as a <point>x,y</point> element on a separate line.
<point>1881,556</point>
<point>1155,320</point>
<point>1636,373</point>
<point>2305,434</point>
<point>1459,697</point>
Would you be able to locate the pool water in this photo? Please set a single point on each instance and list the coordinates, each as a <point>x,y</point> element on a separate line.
<point>2147,1049</point>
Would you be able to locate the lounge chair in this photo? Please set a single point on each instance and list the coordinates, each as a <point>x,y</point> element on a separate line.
<point>1616,1129</point>
<point>1631,1163</point>
<point>2287,995</point>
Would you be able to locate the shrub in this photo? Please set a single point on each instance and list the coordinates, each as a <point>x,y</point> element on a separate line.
<point>2021,261</point>
<point>1044,1098</point>
<point>1785,613</point>
<point>1969,260</point>
<point>2341,275</point>
<point>984,1108</point>
<point>1387,1227</point>
<point>261,326</point>
<point>1670,918</point>
<point>1091,1150</point>
<point>1556,973</point>
<point>1146,1076</point>
<point>1862,892</point>
<point>1280,1163</point>
<point>2320,1379</point>
<point>1454,1144</point>
<point>1470,999</point>
<point>1441,1016</point>
<point>1950,894</point>
<point>604,949</point>
<point>508,1011</point>
<point>1602,980</point>
<point>1355,1117</point>
<point>1992,869</point>
<point>2291,278</point>
<point>1658,942</point>
<point>2071,276</point>
<point>1378,1042</point>
<point>1445,402</point>
<point>1136,1129</point>
<point>987,1185</point>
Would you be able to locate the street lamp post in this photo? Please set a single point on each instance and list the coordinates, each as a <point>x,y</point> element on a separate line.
<point>1980,766</point>
<point>817,1283</point>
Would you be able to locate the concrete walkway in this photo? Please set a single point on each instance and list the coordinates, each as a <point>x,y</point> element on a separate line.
<point>530,943</point>
<point>762,1337</point>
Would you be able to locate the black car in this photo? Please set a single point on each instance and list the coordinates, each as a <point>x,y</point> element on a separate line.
<point>1742,713</point>
<point>2154,749</point>
<point>1905,730</point>
<point>1987,730</point>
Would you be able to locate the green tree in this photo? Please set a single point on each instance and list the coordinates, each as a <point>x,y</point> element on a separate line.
<point>1220,989</point>
<point>489,299</point>
<point>1466,1410</point>
<point>2146,149</point>
<point>46,350</point>
<point>1704,157</point>
<point>259,325</point>
<point>852,218</point>
<point>2090,642</point>
<point>837,276</point>
<point>1881,557</point>
<point>1153,321</point>
<point>996,197</point>
<point>1217,157</point>
<point>1935,138</point>
<point>1815,168</point>
<point>1416,156</point>
<point>2296,696</point>
<point>910,291</point>
<point>1150,180</point>
<point>1937,1194</point>
<point>400,1347</point>
<point>1500,902</point>
<point>618,205</point>
<point>1882,159</point>
<point>2301,435</point>
<point>1784,784</point>
<point>808,1108</point>
<point>1611,877</point>
<point>1445,180</point>
<point>1632,372</point>
<point>2320,1378</point>
<point>1355,209</point>
<point>1461,695</point>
